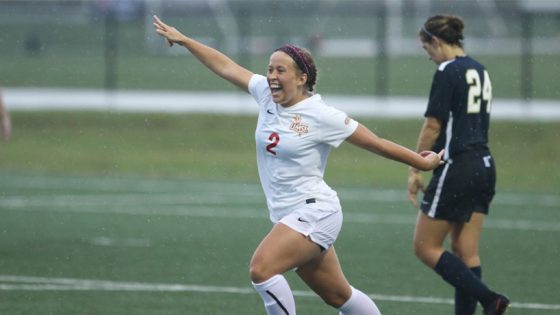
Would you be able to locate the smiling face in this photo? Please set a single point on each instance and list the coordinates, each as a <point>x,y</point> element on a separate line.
<point>286,81</point>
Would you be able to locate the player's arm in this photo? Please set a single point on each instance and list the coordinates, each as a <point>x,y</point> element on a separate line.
<point>366,139</point>
<point>216,61</point>
<point>426,139</point>
<point>428,134</point>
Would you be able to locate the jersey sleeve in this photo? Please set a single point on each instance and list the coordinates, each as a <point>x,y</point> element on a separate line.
<point>441,95</point>
<point>258,88</point>
<point>336,126</point>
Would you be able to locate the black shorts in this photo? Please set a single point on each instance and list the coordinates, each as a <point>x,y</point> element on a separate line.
<point>465,184</point>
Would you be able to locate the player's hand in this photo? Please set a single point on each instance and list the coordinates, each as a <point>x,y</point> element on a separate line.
<point>432,159</point>
<point>415,184</point>
<point>171,34</point>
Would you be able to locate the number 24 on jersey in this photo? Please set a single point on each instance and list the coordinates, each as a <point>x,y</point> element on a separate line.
<point>477,91</point>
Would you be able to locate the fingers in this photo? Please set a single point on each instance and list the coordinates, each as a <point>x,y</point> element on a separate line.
<point>158,22</point>
<point>415,184</point>
<point>412,191</point>
<point>425,154</point>
<point>161,29</point>
<point>412,197</point>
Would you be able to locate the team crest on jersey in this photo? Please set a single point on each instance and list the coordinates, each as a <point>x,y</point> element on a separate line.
<point>299,126</point>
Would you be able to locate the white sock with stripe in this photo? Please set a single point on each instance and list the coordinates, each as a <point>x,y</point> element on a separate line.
<point>359,304</point>
<point>277,296</point>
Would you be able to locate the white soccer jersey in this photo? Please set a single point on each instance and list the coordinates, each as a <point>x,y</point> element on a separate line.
<point>293,145</point>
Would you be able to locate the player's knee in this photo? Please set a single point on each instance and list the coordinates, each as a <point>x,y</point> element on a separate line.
<point>258,273</point>
<point>429,255</point>
<point>419,248</point>
<point>470,258</point>
<point>335,299</point>
<point>460,252</point>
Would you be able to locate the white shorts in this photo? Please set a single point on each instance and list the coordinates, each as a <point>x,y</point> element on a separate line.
<point>320,226</point>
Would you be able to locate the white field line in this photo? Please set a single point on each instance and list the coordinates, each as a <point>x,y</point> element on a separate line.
<point>229,189</point>
<point>251,213</point>
<point>124,242</point>
<point>24,283</point>
<point>23,99</point>
<point>235,197</point>
<point>207,199</point>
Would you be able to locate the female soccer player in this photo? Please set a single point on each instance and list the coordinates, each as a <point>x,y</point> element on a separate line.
<point>459,193</point>
<point>294,135</point>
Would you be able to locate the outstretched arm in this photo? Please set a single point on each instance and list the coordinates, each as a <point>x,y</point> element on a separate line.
<point>364,138</point>
<point>216,61</point>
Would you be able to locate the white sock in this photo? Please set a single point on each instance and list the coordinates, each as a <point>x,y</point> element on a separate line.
<point>277,296</point>
<point>359,304</point>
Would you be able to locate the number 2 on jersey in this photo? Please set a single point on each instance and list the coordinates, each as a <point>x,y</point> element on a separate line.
<point>478,92</point>
<point>274,137</point>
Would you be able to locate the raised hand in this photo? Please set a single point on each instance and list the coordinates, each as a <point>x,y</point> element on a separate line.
<point>171,34</point>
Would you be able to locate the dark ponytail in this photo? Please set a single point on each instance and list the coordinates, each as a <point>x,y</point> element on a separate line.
<point>448,28</point>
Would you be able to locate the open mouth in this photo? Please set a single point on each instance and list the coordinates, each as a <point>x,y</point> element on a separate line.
<point>275,88</point>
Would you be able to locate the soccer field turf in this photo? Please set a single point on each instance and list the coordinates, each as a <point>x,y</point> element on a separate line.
<point>133,245</point>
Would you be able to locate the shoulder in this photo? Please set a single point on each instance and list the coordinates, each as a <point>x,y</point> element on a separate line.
<point>326,115</point>
<point>317,105</point>
<point>459,63</point>
<point>314,110</point>
<point>444,65</point>
<point>257,80</point>
<point>258,88</point>
<point>454,69</point>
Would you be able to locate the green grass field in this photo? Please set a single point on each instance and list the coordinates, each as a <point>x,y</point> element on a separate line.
<point>111,213</point>
<point>221,147</point>
<point>114,245</point>
<point>116,213</point>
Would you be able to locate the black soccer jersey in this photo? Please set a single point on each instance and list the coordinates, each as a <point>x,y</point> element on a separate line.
<point>460,98</point>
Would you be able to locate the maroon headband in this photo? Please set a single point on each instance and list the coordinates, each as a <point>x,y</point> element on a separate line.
<point>298,56</point>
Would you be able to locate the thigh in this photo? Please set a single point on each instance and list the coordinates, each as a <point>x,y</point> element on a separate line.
<point>324,275</point>
<point>281,250</point>
<point>320,226</point>
<point>429,231</point>
<point>429,235</point>
<point>465,239</point>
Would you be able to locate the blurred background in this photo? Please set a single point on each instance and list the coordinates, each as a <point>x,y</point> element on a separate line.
<point>72,56</point>
<point>363,47</point>
<point>129,183</point>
